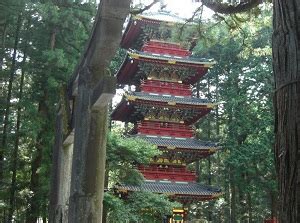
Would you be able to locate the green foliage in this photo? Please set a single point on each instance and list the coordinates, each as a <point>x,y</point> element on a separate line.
<point>123,153</point>
<point>52,35</point>
<point>138,207</point>
<point>242,82</point>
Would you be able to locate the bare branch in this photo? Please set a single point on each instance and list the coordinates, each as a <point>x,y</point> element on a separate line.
<point>224,8</point>
<point>138,11</point>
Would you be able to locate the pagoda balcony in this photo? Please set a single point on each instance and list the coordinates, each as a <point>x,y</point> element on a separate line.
<point>167,173</point>
<point>154,46</point>
<point>165,129</point>
<point>163,87</point>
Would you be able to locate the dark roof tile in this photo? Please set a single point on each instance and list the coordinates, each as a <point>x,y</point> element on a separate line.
<point>176,188</point>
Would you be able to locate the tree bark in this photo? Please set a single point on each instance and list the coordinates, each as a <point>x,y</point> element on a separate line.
<point>87,183</point>
<point>286,66</point>
<point>55,212</point>
<point>89,152</point>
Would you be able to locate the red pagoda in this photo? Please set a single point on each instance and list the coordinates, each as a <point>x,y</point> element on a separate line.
<point>162,107</point>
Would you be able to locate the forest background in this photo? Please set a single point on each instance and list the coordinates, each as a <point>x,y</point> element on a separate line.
<point>41,43</point>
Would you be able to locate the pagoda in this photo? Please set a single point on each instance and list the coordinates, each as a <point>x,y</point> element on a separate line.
<point>163,109</point>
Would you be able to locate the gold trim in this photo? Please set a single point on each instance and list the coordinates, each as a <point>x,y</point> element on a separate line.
<point>217,194</point>
<point>123,190</point>
<point>178,210</point>
<point>211,105</point>
<point>212,150</point>
<point>171,147</point>
<point>131,98</point>
<point>171,103</point>
<point>137,17</point>
<point>172,61</point>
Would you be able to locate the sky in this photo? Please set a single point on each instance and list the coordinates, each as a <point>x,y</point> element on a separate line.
<point>182,8</point>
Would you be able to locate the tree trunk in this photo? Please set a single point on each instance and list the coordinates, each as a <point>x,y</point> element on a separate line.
<point>89,156</point>
<point>232,199</point>
<point>89,152</point>
<point>249,202</point>
<point>16,146</point>
<point>286,65</point>
<point>8,98</point>
<point>43,110</point>
<point>40,144</point>
<point>55,212</point>
<point>274,202</point>
<point>3,28</point>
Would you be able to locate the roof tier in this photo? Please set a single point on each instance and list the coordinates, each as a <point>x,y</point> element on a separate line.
<point>137,106</point>
<point>186,149</point>
<point>136,24</point>
<point>184,191</point>
<point>139,65</point>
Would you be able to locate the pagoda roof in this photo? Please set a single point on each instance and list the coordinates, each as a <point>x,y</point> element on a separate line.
<point>135,24</point>
<point>187,149</point>
<point>166,98</point>
<point>181,189</point>
<point>129,68</point>
<point>127,110</point>
<point>161,17</point>
<point>176,142</point>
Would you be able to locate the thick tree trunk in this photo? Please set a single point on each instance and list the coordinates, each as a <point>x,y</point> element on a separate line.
<point>89,152</point>
<point>87,184</point>
<point>286,65</point>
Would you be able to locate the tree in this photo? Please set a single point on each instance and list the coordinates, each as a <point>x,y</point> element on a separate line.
<point>122,155</point>
<point>286,101</point>
<point>242,81</point>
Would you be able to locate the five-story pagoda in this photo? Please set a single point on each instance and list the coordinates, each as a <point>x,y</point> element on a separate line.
<point>162,107</point>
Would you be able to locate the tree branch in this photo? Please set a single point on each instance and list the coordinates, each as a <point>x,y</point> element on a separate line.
<point>138,11</point>
<point>224,8</point>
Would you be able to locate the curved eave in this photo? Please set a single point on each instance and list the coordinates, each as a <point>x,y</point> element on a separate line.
<point>168,59</point>
<point>129,67</point>
<point>132,31</point>
<point>180,144</point>
<point>174,189</point>
<point>126,110</point>
<point>133,28</point>
<point>169,100</point>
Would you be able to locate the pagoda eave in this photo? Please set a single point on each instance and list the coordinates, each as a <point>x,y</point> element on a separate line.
<point>134,28</point>
<point>175,190</point>
<point>129,67</point>
<point>167,59</point>
<point>126,110</point>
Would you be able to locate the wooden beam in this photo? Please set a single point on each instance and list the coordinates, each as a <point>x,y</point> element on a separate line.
<point>103,92</point>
